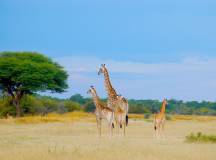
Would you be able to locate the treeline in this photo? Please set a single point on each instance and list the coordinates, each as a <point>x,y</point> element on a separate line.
<point>37,105</point>
<point>41,105</point>
<point>153,106</point>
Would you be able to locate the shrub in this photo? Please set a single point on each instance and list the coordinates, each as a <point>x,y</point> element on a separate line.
<point>72,106</point>
<point>201,138</point>
<point>147,115</point>
<point>168,117</point>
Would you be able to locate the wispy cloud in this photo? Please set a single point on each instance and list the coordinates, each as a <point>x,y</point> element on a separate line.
<point>189,79</point>
<point>81,64</point>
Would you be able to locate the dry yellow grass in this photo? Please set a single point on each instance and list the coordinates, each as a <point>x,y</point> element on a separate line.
<point>78,140</point>
<point>90,117</point>
<point>54,117</point>
<point>194,117</point>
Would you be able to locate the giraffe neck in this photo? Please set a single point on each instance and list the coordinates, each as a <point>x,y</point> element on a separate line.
<point>163,108</point>
<point>110,90</point>
<point>96,100</point>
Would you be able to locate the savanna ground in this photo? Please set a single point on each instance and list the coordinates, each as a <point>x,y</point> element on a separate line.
<point>74,136</point>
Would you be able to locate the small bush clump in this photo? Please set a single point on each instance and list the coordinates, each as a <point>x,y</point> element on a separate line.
<point>201,138</point>
<point>147,115</point>
<point>168,117</point>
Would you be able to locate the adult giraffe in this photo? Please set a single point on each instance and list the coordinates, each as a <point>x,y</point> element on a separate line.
<point>159,118</point>
<point>102,111</point>
<point>118,103</point>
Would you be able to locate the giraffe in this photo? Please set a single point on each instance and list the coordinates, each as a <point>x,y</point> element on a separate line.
<point>117,102</point>
<point>159,118</point>
<point>102,111</point>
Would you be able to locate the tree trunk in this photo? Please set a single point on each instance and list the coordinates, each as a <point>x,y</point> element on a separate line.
<point>18,109</point>
<point>16,103</point>
<point>16,98</point>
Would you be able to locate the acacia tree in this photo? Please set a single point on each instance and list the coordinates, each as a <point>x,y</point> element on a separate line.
<point>28,72</point>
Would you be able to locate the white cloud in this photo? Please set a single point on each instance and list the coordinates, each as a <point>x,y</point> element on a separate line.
<point>85,64</point>
<point>189,79</point>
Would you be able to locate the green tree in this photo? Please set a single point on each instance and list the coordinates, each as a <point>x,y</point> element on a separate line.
<point>71,106</point>
<point>78,98</point>
<point>27,72</point>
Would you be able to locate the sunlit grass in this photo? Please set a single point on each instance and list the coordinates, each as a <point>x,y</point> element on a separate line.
<point>90,117</point>
<point>174,117</point>
<point>194,117</point>
<point>78,140</point>
<point>54,117</point>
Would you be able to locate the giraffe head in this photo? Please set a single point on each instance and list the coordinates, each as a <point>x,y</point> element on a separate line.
<point>119,96</point>
<point>165,101</point>
<point>91,90</point>
<point>102,69</point>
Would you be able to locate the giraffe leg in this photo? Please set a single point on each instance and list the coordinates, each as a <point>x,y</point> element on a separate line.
<point>118,126</point>
<point>155,131</point>
<point>98,126</point>
<point>158,131</point>
<point>162,127</point>
<point>156,128</point>
<point>110,129</point>
<point>110,125</point>
<point>124,126</point>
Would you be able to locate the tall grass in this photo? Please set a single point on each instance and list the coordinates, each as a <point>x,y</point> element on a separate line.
<point>54,117</point>
<point>201,138</point>
<point>193,117</point>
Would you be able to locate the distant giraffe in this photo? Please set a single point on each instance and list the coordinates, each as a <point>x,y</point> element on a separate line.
<point>118,103</point>
<point>102,111</point>
<point>159,118</point>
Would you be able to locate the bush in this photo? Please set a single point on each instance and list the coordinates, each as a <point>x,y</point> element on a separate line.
<point>201,138</point>
<point>147,115</point>
<point>6,107</point>
<point>89,106</point>
<point>37,105</point>
<point>168,117</point>
<point>72,106</point>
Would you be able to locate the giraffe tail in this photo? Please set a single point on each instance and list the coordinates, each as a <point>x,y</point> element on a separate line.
<point>126,120</point>
<point>113,126</point>
<point>155,127</point>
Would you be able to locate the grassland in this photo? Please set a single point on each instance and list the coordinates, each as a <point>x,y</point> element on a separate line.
<point>74,136</point>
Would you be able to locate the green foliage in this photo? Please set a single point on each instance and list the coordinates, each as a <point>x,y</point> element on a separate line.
<point>153,106</point>
<point>38,105</point>
<point>144,106</point>
<point>27,72</point>
<point>71,106</point>
<point>78,98</point>
<point>89,106</point>
<point>31,72</point>
<point>31,105</point>
<point>6,107</point>
<point>201,138</point>
<point>168,117</point>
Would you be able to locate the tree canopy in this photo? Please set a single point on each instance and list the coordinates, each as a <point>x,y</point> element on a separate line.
<point>28,72</point>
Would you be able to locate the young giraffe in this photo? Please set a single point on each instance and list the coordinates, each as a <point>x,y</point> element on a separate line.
<point>118,103</point>
<point>159,118</point>
<point>101,111</point>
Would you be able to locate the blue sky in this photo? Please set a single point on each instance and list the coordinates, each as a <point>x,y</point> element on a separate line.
<point>153,48</point>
